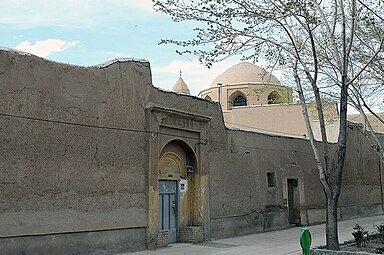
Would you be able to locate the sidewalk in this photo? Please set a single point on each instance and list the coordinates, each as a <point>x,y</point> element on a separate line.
<point>276,242</point>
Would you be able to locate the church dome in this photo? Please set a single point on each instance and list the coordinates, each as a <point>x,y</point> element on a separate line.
<point>245,73</point>
<point>181,87</point>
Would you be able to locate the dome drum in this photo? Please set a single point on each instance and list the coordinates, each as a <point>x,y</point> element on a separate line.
<point>246,84</point>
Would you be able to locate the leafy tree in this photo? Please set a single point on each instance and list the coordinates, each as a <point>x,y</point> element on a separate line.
<point>320,41</point>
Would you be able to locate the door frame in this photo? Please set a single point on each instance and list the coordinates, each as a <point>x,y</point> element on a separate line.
<point>176,182</point>
<point>293,201</point>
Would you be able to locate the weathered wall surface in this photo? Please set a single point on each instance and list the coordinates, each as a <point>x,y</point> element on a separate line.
<point>280,119</point>
<point>361,171</point>
<point>376,124</point>
<point>190,122</point>
<point>67,158</point>
<point>79,161</point>
<point>239,191</point>
<point>362,181</point>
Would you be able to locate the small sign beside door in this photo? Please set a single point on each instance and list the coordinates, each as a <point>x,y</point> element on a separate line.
<point>183,186</point>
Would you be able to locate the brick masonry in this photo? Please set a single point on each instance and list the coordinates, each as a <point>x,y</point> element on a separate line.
<point>162,239</point>
<point>191,234</point>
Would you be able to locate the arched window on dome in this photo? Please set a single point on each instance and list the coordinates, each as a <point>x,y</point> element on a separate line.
<point>274,98</point>
<point>237,98</point>
<point>240,101</point>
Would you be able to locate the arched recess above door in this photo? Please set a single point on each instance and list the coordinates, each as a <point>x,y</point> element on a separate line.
<point>171,167</point>
<point>178,152</point>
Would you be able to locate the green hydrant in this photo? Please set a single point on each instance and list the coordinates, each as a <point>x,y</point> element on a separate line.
<point>305,241</point>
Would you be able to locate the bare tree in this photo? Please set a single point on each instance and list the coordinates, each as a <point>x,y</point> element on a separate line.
<point>367,91</point>
<point>314,39</point>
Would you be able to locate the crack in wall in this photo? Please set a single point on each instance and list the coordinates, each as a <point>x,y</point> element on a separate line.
<point>22,90</point>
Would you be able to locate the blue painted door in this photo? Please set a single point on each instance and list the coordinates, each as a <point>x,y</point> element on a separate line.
<point>168,208</point>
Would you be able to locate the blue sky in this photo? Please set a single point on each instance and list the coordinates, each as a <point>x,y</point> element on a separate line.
<point>90,32</point>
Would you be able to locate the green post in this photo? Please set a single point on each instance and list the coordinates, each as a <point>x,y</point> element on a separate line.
<point>305,241</point>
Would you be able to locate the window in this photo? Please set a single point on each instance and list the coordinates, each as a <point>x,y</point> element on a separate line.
<point>274,98</point>
<point>240,101</point>
<point>271,179</point>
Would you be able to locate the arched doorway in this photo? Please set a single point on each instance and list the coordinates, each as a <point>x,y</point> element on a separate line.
<point>177,167</point>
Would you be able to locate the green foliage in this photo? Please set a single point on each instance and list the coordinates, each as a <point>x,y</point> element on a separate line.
<point>379,250</point>
<point>360,235</point>
<point>380,231</point>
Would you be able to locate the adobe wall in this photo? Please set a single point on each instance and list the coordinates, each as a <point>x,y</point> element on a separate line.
<point>241,202</point>
<point>362,181</point>
<point>79,162</point>
<point>80,154</point>
<point>363,176</point>
<point>286,120</point>
<point>375,123</point>
<point>68,164</point>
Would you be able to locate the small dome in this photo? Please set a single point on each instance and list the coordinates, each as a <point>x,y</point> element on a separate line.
<point>245,73</point>
<point>181,87</point>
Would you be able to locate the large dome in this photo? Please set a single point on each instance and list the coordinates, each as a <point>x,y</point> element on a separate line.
<point>245,73</point>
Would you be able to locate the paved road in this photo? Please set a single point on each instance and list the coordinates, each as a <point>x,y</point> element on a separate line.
<point>277,242</point>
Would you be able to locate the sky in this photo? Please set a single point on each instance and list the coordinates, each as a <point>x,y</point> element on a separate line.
<point>90,32</point>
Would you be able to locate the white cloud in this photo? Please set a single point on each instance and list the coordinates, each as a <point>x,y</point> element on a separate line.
<point>47,47</point>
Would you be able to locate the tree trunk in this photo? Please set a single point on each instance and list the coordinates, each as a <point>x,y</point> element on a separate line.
<point>331,225</point>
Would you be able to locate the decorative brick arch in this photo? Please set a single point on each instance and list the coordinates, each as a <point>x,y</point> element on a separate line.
<point>237,98</point>
<point>171,167</point>
<point>274,98</point>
